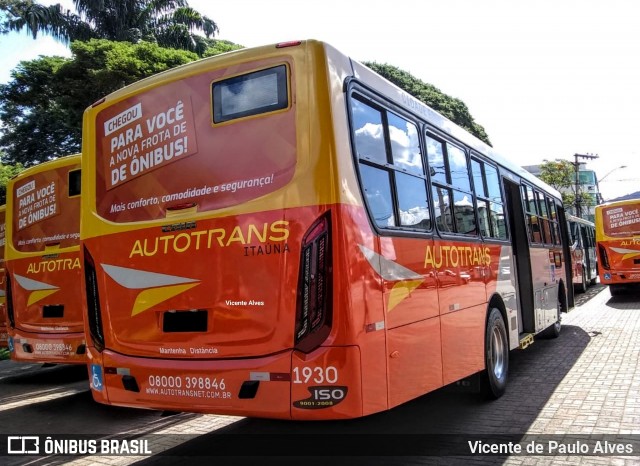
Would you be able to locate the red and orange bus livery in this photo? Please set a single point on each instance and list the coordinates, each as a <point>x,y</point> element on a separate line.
<point>44,301</point>
<point>4,337</point>
<point>618,240</point>
<point>280,232</point>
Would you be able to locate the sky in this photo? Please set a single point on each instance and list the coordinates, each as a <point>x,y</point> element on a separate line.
<point>547,79</point>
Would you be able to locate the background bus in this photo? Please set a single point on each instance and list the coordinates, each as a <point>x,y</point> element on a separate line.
<point>3,313</point>
<point>280,232</point>
<point>618,240</point>
<point>44,306</point>
<point>583,252</point>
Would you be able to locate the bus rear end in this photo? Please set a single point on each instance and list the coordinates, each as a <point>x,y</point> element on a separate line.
<point>207,241</point>
<point>43,298</point>
<point>618,244</point>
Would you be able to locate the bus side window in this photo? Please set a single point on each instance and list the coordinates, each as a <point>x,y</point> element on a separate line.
<point>377,190</point>
<point>453,199</point>
<point>489,199</point>
<point>391,166</point>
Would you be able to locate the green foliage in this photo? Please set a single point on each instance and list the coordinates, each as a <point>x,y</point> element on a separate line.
<point>169,23</point>
<point>558,173</point>
<point>4,354</point>
<point>217,46</point>
<point>450,107</point>
<point>6,173</point>
<point>41,107</point>
<point>561,175</point>
<point>35,123</point>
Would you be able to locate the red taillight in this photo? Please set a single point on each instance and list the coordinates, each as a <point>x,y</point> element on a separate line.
<point>291,43</point>
<point>313,312</point>
<point>604,258</point>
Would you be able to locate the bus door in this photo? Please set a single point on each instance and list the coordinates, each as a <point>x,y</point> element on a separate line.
<point>521,257</point>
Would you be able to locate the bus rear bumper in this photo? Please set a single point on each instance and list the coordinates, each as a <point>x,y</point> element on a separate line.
<point>620,277</point>
<point>56,348</point>
<point>287,385</point>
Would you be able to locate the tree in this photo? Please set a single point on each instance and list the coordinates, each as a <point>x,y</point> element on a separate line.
<point>561,175</point>
<point>41,107</point>
<point>450,107</point>
<point>169,23</point>
<point>6,173</point>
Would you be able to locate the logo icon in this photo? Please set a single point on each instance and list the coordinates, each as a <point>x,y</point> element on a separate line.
<point>96,377</point>
<point>39,290</point>
<point>23,445</point>
<point>155,287</point>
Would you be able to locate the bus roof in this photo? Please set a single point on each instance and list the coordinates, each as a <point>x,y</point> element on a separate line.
<point>359,70</point>
<point>49,164</point>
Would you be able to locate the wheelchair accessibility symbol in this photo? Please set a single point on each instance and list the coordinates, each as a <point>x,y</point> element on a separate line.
<point>96,377</point>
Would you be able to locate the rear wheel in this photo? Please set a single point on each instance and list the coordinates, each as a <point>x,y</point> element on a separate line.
<point>554,330</point>
<point>496,356</point>
<point>615,290</point>
<point>583,285</point>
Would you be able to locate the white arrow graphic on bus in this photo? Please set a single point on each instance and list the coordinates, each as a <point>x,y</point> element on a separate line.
<point>627,252</point>
<point>38,289</point>
<point>407,279</point>
<point>156,287</point>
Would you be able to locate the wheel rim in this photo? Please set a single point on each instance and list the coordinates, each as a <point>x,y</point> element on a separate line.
<point>497,353</point>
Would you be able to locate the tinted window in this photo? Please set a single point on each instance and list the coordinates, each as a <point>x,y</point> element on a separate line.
<point>405,146</point>
<point>413,201</point>
<point>369,132</point>
<point>437,167</point>
<point>458,167</point>
<point>377,190</point>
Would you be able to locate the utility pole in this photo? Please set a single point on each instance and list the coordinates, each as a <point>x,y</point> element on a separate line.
<point>576,166</point>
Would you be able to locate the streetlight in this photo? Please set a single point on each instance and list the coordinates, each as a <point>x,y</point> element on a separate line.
<point>610,172</point>
<point>600,198</point>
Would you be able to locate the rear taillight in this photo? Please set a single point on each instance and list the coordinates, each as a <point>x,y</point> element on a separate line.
<point>9,303</point>
<point>604,258</point>
<point>313,310</point>
<point>93,302</point>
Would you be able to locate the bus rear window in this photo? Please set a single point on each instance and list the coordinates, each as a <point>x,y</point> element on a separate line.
<point>250,94</point>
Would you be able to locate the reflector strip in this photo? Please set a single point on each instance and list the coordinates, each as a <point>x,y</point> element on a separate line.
<point>374,327</point>
<point>270,376</point>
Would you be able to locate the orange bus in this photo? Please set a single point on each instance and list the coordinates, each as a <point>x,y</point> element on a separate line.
<point>4,337</point>
<point>583,252</point>
<point>618,240</point>
<point>44,301</point>
<point>280,232</point>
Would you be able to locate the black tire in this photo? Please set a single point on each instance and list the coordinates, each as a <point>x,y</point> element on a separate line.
<point>554,330</point>
<point>582,288</point>
<point>496,354</point>
<point>616,290</point>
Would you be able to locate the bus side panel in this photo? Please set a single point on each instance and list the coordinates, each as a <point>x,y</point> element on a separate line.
<point>463,342</point>
<point>546,276</point>
<point>3,312</point>
<point>358,310</point>
<point>415,362</point>
<point>4,336</point>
